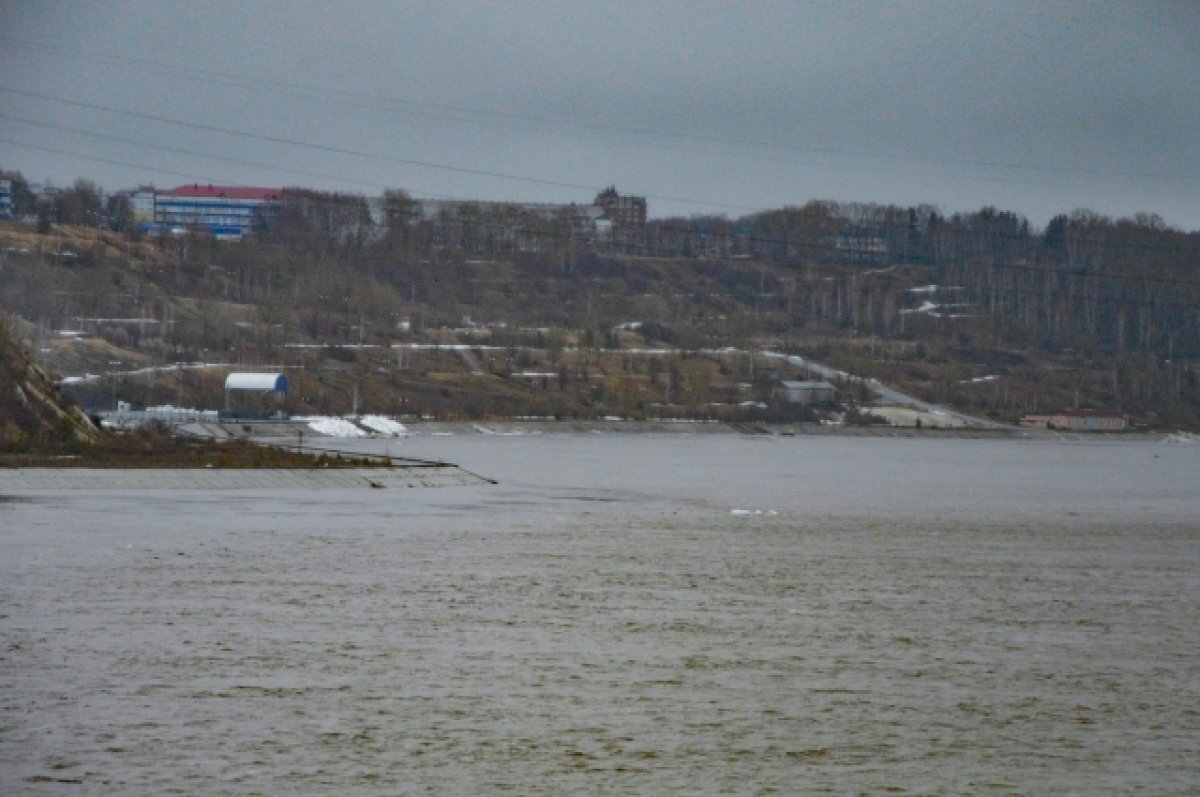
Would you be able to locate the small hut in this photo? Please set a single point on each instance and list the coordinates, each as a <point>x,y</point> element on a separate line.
<point>804,393</point>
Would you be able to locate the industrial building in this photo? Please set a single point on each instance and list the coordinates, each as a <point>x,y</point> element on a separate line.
<point>1078,421</point>
<point>228,212</point>
<point>804,393</point>
<point>6,208</point>
<point>626,212</point>
<point>611,217</point>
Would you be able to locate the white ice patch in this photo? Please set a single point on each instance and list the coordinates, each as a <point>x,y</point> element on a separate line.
<point>384,425</point>
<point>332,427</point>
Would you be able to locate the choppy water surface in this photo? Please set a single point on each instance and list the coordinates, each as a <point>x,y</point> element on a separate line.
<point>905,616</point>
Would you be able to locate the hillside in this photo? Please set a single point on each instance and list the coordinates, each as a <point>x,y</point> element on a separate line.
<point>409,326</point>
<point>33,413</point>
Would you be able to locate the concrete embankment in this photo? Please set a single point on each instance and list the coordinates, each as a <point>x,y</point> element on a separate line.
<point>694,427</point>
<point>298,432</point>
<point>519,427</point>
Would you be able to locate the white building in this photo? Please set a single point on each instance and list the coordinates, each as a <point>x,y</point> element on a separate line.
<point>142,202</point>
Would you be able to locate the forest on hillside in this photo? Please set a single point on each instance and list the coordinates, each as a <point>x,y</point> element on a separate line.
<point>1088,312</point>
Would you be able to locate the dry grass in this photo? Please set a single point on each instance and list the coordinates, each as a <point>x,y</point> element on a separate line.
<point>156,447</point>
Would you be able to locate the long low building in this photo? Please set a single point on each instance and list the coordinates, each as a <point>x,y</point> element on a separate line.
<point>227,211</point>
<point>805,392</point>
<point>1078,421</point>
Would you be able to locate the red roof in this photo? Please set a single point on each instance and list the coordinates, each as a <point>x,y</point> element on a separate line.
<point>228,191</point>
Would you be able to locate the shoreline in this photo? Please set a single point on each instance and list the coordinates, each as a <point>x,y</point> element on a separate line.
<point>280,431</point>
<point>22,481</point>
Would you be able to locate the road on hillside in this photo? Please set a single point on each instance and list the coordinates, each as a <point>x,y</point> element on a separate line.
<point>464,351</point>
<point>884,392</point>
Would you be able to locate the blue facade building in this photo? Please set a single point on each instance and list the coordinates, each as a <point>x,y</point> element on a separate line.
<point>6,210</point>
<point>228,212</point>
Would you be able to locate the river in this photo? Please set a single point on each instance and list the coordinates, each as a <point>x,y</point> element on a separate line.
<point>621,613</point>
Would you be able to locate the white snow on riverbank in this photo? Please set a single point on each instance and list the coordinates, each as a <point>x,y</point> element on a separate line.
<point>365,426</point>
<point>332,427</point>
<point>384,426</point>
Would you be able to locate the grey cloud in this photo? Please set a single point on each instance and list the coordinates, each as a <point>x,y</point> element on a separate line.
<point>890,102</point>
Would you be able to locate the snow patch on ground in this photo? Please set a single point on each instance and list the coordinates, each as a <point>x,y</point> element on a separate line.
<point>926,307</point>
<point>332,427</point>
<point>383,425</point>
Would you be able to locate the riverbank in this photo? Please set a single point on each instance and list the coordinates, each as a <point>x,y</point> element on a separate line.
<point>294,431</point>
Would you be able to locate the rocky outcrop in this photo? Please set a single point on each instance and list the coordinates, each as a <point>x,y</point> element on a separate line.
<point>32,410</point>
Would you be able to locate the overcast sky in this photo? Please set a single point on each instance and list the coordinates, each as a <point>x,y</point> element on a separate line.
<point>729,107</point>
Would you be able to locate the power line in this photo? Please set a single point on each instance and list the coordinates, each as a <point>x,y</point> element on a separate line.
<point>296,143</point>
<point>795,162</point>
<point>183,151</point>
<point>359,153</point>
<point>1083,273</point>
<point>368,155</point>
<point>814,247</point>
<point>339,150</point>
<point>264,84</point>
<point>1100,300</point>
<point>329,148</point>
<point>114,162</point>
<point>251,85</point>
